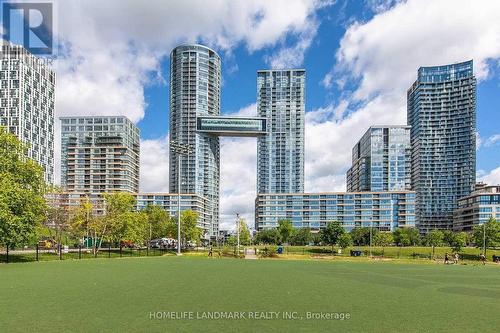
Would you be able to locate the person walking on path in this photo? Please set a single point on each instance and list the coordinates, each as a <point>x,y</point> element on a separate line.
<point>455,261</point>
<point>446,259</point>
<point>210,254</point>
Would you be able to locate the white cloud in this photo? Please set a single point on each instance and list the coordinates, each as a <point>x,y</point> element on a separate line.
<point>492,140</point>
<point>111,50</point>
<point>385,52</point>
<point>379,59</point>
<point>293,56</point>
<point>154,165</point>
<point>491,178</point>
<point>238,175</point>
<point>379,6</point>
<point>328,143</point>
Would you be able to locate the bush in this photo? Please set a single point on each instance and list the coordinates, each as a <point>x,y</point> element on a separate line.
<point>268,252</point>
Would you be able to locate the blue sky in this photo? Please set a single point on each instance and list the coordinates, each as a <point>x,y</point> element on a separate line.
<point>360,57</point>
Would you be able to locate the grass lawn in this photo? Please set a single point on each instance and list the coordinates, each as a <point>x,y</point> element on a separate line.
<point>119,295</point>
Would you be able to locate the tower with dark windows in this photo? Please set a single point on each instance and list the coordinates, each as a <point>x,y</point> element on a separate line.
<point>442,116</point>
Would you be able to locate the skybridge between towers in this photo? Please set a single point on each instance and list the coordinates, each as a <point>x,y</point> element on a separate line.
<point>232,126</point>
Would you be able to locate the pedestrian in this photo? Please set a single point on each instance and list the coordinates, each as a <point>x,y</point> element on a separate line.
<point>210,252</point>
<point>455,261</point>
<point>446,259</point>
<point>482,257</point>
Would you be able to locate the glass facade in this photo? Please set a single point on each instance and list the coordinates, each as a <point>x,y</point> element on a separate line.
<point>382,210</point>
<point>232,126</point>
<point>195,75</point>
<point>167,201</point>
<point>99,154</point>
<point>477,208</point>
<point>442,116</point>
<point>280,154</point>
<point>27,103</point>
<point>381,160</point>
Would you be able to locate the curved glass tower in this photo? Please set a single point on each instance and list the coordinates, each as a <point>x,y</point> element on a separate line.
<point>195,74</point>
<point>442,115</point>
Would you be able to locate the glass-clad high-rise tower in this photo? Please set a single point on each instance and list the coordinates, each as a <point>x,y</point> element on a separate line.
<point>442,115</point>
<point>27,98</point>
<point>381,160</point>
<point>195,74</point>
<point>280,154</point>
<point>99,154</point>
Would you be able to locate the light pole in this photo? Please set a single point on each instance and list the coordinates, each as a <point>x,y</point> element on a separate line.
<point>371,231</point>
<point>180,149</point>
<point>238,233</point>
<point>484,238</point>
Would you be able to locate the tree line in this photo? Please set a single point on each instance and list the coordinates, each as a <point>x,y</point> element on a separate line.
<point>25,214</point>
<point>334,234</point>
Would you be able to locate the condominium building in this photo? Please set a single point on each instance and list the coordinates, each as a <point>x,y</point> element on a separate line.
<point>442,116</point>
<point>168,201</point>
<point>280,153</point>
<point>385,211</point>
<point>381,160</point>
<point>189,201</point>
<point>477,208</point>
<point>99,154</point>
<point>27,103</point>
<point>195,75</point>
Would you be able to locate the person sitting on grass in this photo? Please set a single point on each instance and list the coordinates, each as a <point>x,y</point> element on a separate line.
<point>446,259</point>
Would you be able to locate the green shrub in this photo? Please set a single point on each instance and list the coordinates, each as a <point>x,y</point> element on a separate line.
<point>268,252</point>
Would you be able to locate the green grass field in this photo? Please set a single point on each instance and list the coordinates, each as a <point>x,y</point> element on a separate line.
<point>119,295</point>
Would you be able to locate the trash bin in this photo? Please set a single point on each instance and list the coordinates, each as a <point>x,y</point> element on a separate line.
<point>280,250</point>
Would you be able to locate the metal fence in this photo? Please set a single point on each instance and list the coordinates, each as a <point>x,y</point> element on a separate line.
<point>39,253</point>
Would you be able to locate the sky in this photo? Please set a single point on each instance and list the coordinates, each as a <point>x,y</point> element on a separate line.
<point>360,57</point>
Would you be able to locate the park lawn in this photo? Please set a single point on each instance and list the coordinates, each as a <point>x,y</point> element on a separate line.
<point>119,295</point>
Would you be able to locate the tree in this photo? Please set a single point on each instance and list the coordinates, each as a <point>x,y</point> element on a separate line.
<point>157,221</point>
<point>361,236</point>
<point>345,240</point>
<point>448,236</point>
<point>330,235</point>
<point>413,236</point>
<point>459,241</point>
<point>190,232</point>
<point>489,234</point>
<point>85,224</point>
<point>401,237</point>
<point>268,237</point>
<point>406,236</point>
<point>57,220</point>
<point>434,238</point>
<point>244,234</point>
<point>301,237</point>
<point>22,189</point>
<point>285,229</point>
<point>383,239</point>
<point>121,221</point>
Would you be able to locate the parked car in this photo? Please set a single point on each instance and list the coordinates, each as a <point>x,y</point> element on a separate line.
<point>156,244</point>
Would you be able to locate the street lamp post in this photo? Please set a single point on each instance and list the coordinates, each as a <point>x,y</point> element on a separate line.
<point>371,231</point>
<point>238,233</point>
<point>180,149</point>
<point>484,238</point>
